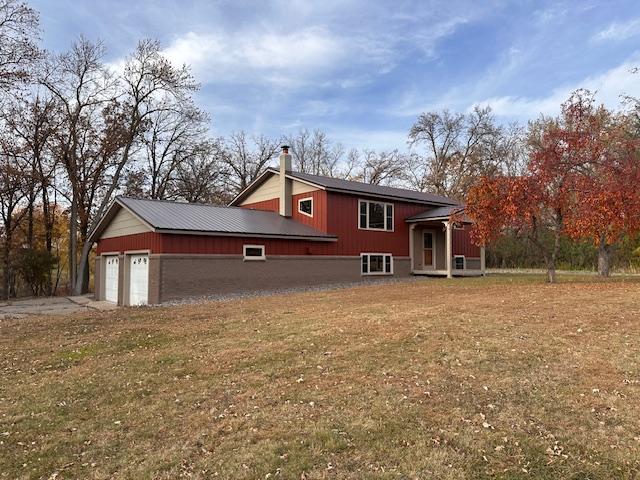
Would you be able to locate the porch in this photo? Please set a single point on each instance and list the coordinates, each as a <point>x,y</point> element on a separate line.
<point>439,247</point>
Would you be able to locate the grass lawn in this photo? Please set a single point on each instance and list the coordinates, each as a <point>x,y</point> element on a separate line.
<point>497,377</point>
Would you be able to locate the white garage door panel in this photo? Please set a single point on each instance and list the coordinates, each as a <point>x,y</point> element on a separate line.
<point>139,280</point>
<point>111,279</point>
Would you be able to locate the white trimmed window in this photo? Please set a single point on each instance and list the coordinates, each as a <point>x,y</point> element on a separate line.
<point>375,215</point>
<point>305,206</point>
<point>376,264</point>
<point>459,262</point>
<point>253,252</point>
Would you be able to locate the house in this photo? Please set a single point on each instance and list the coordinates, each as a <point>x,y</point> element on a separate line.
<point>285,229</point>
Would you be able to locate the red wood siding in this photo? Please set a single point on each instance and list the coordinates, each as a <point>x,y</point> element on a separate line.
<point>272,205</point>
<point>342,212</point>
<point>462,244</point>
<point>233,245</point>
<point>140,241</point>
<point>205,244</point>
<point>319,219</point>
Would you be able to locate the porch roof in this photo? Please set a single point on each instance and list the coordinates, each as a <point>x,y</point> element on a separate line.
<point>438,213</point>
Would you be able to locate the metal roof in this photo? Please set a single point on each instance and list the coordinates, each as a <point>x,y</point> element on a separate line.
<point>438,213</point>
<point>349,186</point>
<point>178,217</point>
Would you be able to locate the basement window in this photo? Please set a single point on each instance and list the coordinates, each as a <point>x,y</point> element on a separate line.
<point>376,264</point>
<point>253,252</point>
<point>459,262</point>
<point>305,206</point>
<point>375,215</point>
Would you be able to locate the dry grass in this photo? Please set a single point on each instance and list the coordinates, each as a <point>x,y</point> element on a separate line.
<point>470,378</point>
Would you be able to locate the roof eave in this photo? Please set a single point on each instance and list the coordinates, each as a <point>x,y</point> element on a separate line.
<point>247,235</point>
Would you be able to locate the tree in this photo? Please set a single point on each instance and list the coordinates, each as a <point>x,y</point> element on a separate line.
<point>18,43</point>
<point>201,178</point>
<point>314,153</point>
<point>12,192</point>
<point>104,119</point>
<point>458,149</point>
<point>603,149</point>
<point>246,159</point>
<point>174,135</point>
<point>379,167</point>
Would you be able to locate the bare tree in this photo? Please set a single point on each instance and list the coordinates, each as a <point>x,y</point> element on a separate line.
<point>201,177</point>
<point>104,120</point>
<point>246,158</point>
<point>457,150</point>
<point>12,193</point>
<point>314,153</point>
<point>19,37</point>
<point>175,135</point>
<point>380,168</point>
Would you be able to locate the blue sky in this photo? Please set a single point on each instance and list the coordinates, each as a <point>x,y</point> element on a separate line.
<point>363,70</point>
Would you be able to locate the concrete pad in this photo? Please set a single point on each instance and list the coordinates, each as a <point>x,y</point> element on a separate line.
<point>52,306</point>
<point>102,306</point>
<point>80,299</point>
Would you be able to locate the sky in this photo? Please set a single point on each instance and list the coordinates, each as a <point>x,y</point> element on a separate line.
<point>363,70</point>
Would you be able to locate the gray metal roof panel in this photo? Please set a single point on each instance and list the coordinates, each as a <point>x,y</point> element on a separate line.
<point>377,190</point>
<point>167,215</point>
<point>437,213</point>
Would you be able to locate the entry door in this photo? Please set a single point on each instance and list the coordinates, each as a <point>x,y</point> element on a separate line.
<point>429,250</point>
<point>138,279</point>
<point>111,279</point>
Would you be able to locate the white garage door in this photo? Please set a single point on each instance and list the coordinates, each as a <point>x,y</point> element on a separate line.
<point>111,279</point>
<point>139,279</point>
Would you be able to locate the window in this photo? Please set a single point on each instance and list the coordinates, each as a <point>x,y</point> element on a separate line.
<point>253,252</point>
<point>305,206</point>
<point>459,262</point>
<point>375,215</point>
<point>376,264</point>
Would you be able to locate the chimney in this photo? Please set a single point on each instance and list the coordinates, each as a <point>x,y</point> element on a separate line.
<point>286,184</point>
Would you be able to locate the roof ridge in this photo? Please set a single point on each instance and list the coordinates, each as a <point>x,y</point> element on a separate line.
<point>294,173</point>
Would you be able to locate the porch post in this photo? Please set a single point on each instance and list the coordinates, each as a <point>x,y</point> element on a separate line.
<point>482,260</point>
<point>449,249</point>
<point>412,228</point>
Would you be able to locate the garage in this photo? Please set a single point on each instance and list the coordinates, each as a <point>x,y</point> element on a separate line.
<point>138,279</point>
<point>111,278</point>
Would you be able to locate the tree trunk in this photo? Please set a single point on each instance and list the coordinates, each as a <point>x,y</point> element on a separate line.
<point>551,272</point>
<point>73,242</point>
<point>604,257</point>
<point>6,264</point>
<point>82,281</point>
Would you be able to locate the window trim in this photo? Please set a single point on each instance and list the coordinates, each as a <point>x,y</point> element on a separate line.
<point>252,258</point>
<point>464,262</point>
<point>385,204</point>
<point>458,226</point>
<point>304,200</point>
<point>384,261</point>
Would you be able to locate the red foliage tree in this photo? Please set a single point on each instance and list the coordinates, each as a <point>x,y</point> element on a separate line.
<point>581,180</point>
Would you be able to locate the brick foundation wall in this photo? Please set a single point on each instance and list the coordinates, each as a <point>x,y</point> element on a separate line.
<point>183,276</point>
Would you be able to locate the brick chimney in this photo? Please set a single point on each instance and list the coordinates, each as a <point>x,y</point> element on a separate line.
<point>286,184</point>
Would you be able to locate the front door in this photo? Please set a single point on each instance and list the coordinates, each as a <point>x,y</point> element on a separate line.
<point>429,250</point>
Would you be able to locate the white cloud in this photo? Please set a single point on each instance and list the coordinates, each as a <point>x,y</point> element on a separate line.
<point>283,59</point>
<point>619,31</point>
<point>610,87</point>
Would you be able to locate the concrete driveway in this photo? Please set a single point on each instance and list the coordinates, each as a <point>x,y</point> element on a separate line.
<point>52,306</point>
